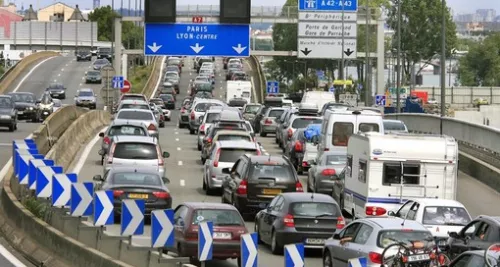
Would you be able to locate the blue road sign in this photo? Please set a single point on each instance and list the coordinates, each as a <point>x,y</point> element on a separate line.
<point>34,164</point>
<point>103,208</point>
<point>272,87</point>
<point>380,100</point>
<point>118,82</point>
<point>328,5</point>
<point>294,255</point>
<point>17,153</point>
<point>44,176</point>
<point>320,73</point>
<point>61,188</point>
<point>331,89</point>
<point>132,222</point>
<point>23,166</point>
<point>205,240</point>
<point>358,262</point>
<point>191,39</point>
<point>162,228</point>
<point>249,250</point>
<point>81,199</point>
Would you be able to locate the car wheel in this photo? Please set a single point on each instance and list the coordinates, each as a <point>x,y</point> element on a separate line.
<point>256,230</point>
<point>262,134</point>
<point>199,147</point>
<point>327,260</point>
<point>275,247</point>
<point>239,261</point>
<point>162,125</point>
<point>12,127</point>
<point>204,183</point>
<point>191,131</point>
<point>276,139</point>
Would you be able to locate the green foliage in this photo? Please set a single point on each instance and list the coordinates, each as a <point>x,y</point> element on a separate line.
<point>2,70</point>
<point>39,209</point>
<point>480,67</point>
<point>105,16</point>
<point>139,75</point>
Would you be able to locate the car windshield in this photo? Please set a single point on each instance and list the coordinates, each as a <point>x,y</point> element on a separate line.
<point>202,107</point>
<point>394,126</point>
<point>166,97</point>
<point>100,62</point>
<point>174,62</point>
<point>314,209</point>
<point>440,215</point>
<point>136,178</point>
<point>212,116</point>
<point>135,115</point>
<point>171,75</point>
<point>93,73</point>
<point>233,137</point>
<point>85,93</point>
<point>252,109</point>
<point>276,113</point>
<point>336,159</point>
<point>5,102</point>
<point>220,217</point>
<point>304,122</point>
<point>135,150</point>
<point>135,106</point>
<point>232,154</point>
<point>23,98</point>
<point>388,237</point>
<point>56,86</point>
<point>127,130</point>
<point>133,97</point>
<point>271,170</point>
<point>234,66</point>
<point>201,79</point>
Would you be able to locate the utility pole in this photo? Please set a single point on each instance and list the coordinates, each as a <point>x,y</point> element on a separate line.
<point>398,64</point>
<point>367,60</point>
<point>341,69</point>
<point>443,64</point>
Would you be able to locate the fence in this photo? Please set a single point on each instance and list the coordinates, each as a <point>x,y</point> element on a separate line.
<point>464,95</point>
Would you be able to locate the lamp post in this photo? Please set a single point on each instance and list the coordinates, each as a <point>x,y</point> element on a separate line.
<point>398,64</point>
<point>443,64</point>
<point>305,73</point>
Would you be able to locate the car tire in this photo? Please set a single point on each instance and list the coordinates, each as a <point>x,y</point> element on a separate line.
<point>199,147</point>
<point>275,247</point>
<point>162,125</point>
<point>256,230</point>
<point>262,134</point>
<point>191,131</point>
<point>12,127</point>
<point>327,259</point>
<point>102,160</point>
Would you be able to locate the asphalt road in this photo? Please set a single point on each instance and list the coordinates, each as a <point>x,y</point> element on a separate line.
<point>185,172</point>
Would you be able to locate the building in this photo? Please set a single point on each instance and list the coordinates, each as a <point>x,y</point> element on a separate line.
<point>55,12</point>
<point>8,16</point>
<point>486,15</point>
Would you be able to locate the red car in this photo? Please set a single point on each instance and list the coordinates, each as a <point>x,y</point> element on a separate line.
<point>228,228</point>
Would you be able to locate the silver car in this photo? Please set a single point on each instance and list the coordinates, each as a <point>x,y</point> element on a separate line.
<point>86,98</point>
<point>145,116</point>
<point>223,155</point>
<point>296,121</point>
<point>268,123</point>
<point>368,237</point>
<point>206,121</point>
<point>198,109</point>
<point>133,104</point>
<point>140,151</point>
<point>129,128</point>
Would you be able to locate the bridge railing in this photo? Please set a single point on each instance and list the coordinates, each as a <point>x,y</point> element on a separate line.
<point>256,11</point>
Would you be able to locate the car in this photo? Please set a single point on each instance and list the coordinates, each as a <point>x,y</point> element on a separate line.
<point>86,98</point>
<point>159,114</point>
<point>281,121</point>
<point>135,183</point>
<point>168,100</point>
<point>367,238</point>
<point>158,101</point>
<point>325,174</point>
<point>239,76</point>
<point>198,109</point>
<point>8,113</point>
<point>133,128</point>
<point>25,104</point>
<point>173,78</point>
<point>173,68</point>
<point>228,229</point>
<point>297,121</point>
<point>213,130</point>
<point>476,258</point>
<point>268,123</point>
<point>224,135</point>
<point>93,76</point>
<point>206,121</point>
<point>133,104</point>
<point>202,87</point>
<point>129,96</point>
<point>250,110</point>
<point>168,88</point>
<point>56,90</point>
<point>105,53</point>
<point>101,63</point>
<point>394,127</point>
<point>232,68</point>
<point>142,115</point>
<point>291,218</point>
<point>183,120</point>
<point>83,55</point>
<point>140,151</point>
<point>254,180</point>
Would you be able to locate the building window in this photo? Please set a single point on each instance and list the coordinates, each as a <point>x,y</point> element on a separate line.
<point>392,173</point>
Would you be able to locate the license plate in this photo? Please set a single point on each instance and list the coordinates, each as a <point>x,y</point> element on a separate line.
<point>271,191</point>
<point>315,241</point>
<point>143,196</point>
<point>20,112</point>
<point>420,257</point>
<point>55,94</point>
<point>442,243</point>
<point>218,235</point>
<point>45,113</point>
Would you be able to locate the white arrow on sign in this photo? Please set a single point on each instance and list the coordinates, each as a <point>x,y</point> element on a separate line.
<point>208,240</point>
<point>239,49</point>
<point>86,199</point>
<point>197,48</point>
<point>137,217</point>
<point>295,255</point>
<point>252,250</point>
<point>107,208</point>
<point>166,231</point>
<point>154,47</point>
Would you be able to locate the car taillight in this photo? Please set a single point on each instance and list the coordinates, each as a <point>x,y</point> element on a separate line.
<point>374,211</point>
<point>192,115</point>
<point>216,160</point>
<point>107,140</point>
<point>242,188</point>
<point>288,221</point>
<point>298,187</point>
<point>326,149</point>
<point>298,146</point>
<point>117,193</point>
<point>375,257</point>
<point>191,236</point>
<point>202,128</point>
<point>162,195</point>
<point>340,222</point>
<point>110,154</point>
<point>305,164</point>
<point>162,117</point>
<point>209,140</point>
<point>290,133</point>
<point>161,161</point>
<point>268,121</point>
<point>151,127</point>
<point>328,172</point>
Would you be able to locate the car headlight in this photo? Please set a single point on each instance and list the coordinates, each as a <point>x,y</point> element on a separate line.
<point>30,108</point>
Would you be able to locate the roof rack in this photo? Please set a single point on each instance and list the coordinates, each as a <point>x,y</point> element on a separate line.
<point>308,109</point>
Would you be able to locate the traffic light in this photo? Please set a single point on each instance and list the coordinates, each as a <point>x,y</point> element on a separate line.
<point>160,11</point>
<point>235,11</point>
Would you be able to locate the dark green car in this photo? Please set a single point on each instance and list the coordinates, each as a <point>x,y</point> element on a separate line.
<point>93,76</point>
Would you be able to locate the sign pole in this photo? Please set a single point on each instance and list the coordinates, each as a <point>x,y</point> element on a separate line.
<point>107,89</point>
<point>341,71</point>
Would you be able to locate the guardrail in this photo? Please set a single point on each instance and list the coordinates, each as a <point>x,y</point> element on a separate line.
<point>150,85</point>
<point>260,84</point>
<point>9,70</point>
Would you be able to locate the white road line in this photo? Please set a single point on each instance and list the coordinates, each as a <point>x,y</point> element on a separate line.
<point>5,144</point>
<point>179,163</point>
<point>30,72</point>
<point>177,139</point>
<point>10,257</point>
<point>62,69</point>
<point>85,154</point>
<point>178,149</point>
<point>176,132</point>
<point>182,182</point>
<point>266,154</point>
<point>157,85</point>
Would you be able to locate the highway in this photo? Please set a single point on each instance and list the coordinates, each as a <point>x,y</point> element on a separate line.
<point>185,172</point>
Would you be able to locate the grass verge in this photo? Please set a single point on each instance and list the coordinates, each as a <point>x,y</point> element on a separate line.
<point>139,75</point>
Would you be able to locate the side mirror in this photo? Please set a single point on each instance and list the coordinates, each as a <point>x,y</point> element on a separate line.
<point>312,162</point>
<point>454,235</point>
<point>98,178</point>
<point>101,134</point>
<point>200,120</point>
<point>336,236</point>
<point>392,213</point>
<point>226,171</point>
<point>38,101</point>
<point>259,143</point>
<point>166,154</point>
<point>165,180</point>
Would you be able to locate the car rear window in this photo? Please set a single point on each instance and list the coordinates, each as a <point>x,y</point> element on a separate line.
<point>276,113</point>
<point>166,97</point>
<point>368,127</point>
<point>129,97</point>
<point>202,107</point>
<point>135,115</point>
<point>388,237</point>
<point>222,217</point>
<point>211,117</point>
<point>272,170</point>
<point>135,106</point>
<point>336,159</point>
<point>440,215</point>
<point>394,126</point>
<point>127,130</point>
<point>314,209</point>
<point>135,178</point>
<point>233,137</point>
<point>232,154</point>
<point>131,150</point>
<point>304,122</point>
<point>237,103</point>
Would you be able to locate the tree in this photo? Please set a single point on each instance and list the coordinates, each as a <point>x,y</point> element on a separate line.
<point>421,30</point>
<point>480,67</point>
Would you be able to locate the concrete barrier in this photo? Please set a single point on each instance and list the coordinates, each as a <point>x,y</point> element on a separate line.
<point>260,83</point>
<point>23,65</point>
<point>150,85</point>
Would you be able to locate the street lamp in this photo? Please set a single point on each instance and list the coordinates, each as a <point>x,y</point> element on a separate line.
<point>305,73</point>
<point>398,64</point>
<point>443,63</point>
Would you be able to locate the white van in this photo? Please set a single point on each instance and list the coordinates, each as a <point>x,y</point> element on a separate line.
<point>320,98</point>
<point>339,125</point>
<point>383,171</point>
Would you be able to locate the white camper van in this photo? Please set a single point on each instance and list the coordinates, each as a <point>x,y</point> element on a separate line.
<point>239,89</point>
<point>383,171</point>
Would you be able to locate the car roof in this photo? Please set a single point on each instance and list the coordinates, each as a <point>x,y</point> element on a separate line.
<point>175,72</point>
<point>6,96</point>
<point>132,94</point>
<point>123,169</point>
<point>209,205</point>
<point>237,144</point>
<point>137,139</point>
<point>438,202</point>
<point>394,121</point>
<point>263,159</point>
<point>126,122</point>
<point>134,109</point>
<point>394,223</point>
<point>86,90</point>
<point>230,132</point>
<point>307,197</point>
<point>133,101</point>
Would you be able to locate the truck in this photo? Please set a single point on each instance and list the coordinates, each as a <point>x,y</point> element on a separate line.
<point>239,89</point>
<point>383,171</point>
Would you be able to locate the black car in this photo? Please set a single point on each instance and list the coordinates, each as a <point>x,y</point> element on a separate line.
<point>26,106</point>
<point>254,180</point>
<point>306,218</point>
<point>56,90</point>
<point>83,55</point>
<point>168,100</point>
<point>105,53</point>
<point>476,258</point>
<point>8,113</point>
<point>136,183</point>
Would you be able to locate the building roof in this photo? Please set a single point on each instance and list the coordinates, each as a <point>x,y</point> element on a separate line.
<point>77,15</point>
<point>30,14</point>
<point>56,4</point>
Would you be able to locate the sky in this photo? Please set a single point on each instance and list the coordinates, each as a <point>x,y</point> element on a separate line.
<point>458,6</point>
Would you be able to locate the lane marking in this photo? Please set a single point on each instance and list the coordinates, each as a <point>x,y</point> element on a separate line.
<point>177,139</point>
<point>86,151</point>
<point>30,72</point>
<point>5,144</point>
<point>179,163</point>
<point>176,132</point>
<point>10,257</point>
<point>182,182</point>
<point>178,149</point>
<point>63,69</point>
<point>157,85</point>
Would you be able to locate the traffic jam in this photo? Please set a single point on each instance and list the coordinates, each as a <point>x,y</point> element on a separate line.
<point>343,183</point>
